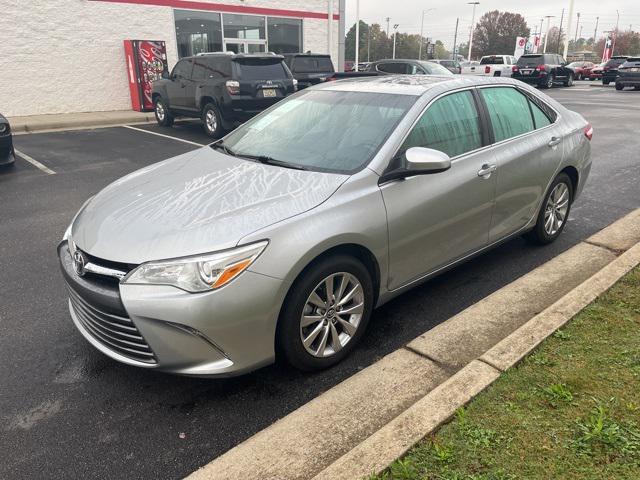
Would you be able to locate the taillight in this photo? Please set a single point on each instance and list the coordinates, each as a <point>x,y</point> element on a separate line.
<point>541,68</point>
<point>588,132</point>
<point>295,85</point>
<point>606,68</point>
<point>233,87</point>
<point>487,69</point>
<point>515,69</point>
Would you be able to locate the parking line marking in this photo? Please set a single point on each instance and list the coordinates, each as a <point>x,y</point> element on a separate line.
<point>165,136</point>
<point>34,162</point>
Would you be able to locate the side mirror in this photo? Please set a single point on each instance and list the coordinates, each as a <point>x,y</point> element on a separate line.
<point>421,161</point>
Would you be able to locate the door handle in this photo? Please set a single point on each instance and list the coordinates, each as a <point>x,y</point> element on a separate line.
<point>554,142</point>
<point>487,170</point>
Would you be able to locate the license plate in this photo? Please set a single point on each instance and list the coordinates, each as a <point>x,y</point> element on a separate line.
<point>634,69</point>
<point>269,92</point>
<point>526,71</point>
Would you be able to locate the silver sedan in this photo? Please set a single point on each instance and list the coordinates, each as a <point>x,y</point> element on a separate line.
<point>280,239</point>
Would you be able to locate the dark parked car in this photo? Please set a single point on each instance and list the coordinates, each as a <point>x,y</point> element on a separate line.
<point>309,68</point>
<point>543,69</point>
<point>407,67</point>
<point>222,89</point>
<point>629,74</point>
<point>7,154</point>
<point>610,70</point>
<point>452,65</point>
<point>581,69</point>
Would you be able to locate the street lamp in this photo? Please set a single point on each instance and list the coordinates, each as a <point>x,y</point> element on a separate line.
<point>615,35</point>
<point>473,21</point>
<point>422,31</point>
<point>395,34</point>
<point>546,34</point>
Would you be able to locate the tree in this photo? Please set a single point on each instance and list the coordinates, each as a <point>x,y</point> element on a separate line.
<point>554,43</point>
<point>496,32</point>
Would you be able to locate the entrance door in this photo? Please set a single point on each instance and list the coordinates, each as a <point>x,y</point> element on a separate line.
<point>245,46</point>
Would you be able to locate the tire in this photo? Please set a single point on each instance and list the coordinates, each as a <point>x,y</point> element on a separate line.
<point>162,113</point>
<point>619,86</point>
<point>606,82</point>
<point>212,121</point>
<point>636,88</point>
<point>541,234</point>
<point>579,76</point>
<point>290,331</point>
<point>550,79</point>
<point>569,82</point>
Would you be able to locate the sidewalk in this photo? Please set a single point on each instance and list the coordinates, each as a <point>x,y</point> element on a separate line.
<point>64,121</point>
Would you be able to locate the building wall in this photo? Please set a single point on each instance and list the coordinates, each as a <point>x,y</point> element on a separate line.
<point>60,56</point>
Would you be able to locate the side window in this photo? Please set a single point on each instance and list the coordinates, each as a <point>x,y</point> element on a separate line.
<point>451,125</point>
<point>539,117</point>
<point>200,71</point>
<point>182,69</point>
<point>392,67</point>
<point>415,70</point>
<point>509,112</point>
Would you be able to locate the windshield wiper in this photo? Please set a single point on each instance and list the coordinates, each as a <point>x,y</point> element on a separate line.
<point>221,146</point>
<point>272,161</point>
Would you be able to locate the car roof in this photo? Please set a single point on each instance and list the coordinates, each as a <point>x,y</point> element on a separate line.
<point>415,85</point>
<point>234,56</point>
<point>306,54</point>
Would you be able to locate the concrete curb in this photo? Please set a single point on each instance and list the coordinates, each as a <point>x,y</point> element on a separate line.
<point>380,412</point>
<point>74,121</point>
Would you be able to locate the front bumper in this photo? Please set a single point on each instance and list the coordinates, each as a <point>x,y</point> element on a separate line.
<point>532,80</point>
<point>220,333</point>
<point>629,80</point>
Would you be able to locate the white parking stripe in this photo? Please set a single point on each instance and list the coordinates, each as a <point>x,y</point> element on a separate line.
<point>165,136</point>
<point>34,162</point>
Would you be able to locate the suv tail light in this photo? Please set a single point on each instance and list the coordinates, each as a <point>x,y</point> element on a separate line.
<point>515,69</point>
<point>541,68</point>
<point>487,69</point>
<point>588,132</point>
<point>233,87</point>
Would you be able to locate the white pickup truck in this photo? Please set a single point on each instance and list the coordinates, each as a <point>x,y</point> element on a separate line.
<point>496,66</point>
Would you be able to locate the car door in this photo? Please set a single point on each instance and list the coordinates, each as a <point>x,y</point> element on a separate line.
<point>527,148</point>
<point>177,87</point>
<point>436,219</point>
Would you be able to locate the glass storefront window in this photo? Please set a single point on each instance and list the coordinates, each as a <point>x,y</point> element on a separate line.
<point>285,35</point>
<point>246,27</point>
<point>197,32</point>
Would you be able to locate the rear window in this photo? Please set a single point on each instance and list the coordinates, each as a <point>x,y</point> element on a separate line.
<point>614,62</point>
<point>260,69</point>
<point>530,60</point>
<point>491,61</point>
<point>313,64</point>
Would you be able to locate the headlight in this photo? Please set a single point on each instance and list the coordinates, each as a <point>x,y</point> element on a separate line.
<point>200,273</point>
<point>3,128</point>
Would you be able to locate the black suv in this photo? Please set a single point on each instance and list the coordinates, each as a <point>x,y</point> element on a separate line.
<point>309,68</point>
<point>407,67</point>
<point>629,74</point>
<point>543,69</point>
<point>7,154</point>
<point>222,89</point>
<point>610,69</point>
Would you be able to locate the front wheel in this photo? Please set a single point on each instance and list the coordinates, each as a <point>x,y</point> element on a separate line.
<point>163,116</point>
<point>212,121</point>
<point>619,86</point>
<point>569,81</point>
<point>606,82</point>
<point>550,80</point>
<point>325,313</point>
<point>554,212</point>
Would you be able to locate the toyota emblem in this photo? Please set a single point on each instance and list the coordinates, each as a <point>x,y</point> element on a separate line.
<point>78,263</point>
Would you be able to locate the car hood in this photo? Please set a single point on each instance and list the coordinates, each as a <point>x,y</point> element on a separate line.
<point>199,202</point>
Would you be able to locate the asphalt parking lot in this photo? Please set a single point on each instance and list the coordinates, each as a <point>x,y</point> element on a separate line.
<point>68,411</point>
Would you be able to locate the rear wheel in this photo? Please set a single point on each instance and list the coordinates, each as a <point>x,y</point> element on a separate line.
<point>619,86</point>
<point>212,121</point>
<point>569,81</point>
<point>325,313</point>
<point>550,80</point>
<point>606,82</point>
<point>163,116</point>
<point>554,212</point>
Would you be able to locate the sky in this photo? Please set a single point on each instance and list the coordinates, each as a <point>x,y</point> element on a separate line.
<point>440,23</point>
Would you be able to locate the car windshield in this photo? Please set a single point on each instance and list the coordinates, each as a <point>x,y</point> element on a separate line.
<point>530,60</point>
<point>491,61</point>
<point>330,131</point>
<point>435,68</point>
<point>260,69</point>
<point>313,64</point>
<point>575,64</point>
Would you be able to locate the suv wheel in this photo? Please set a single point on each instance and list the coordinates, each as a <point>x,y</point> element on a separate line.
<point>163,116</point>
<point>550,79</point>
<point>325,313</point>
<point>619,86</point>
<point>569,81</point>
<point>554,212</point>
<point>606,82</point>
<point>212,121</point>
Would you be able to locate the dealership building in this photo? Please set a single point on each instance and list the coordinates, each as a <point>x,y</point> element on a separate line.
<point>60,56</point>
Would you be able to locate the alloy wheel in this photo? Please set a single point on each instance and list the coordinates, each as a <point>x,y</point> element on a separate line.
<point>550,81</point>
<point>332,314</point>
<point>160,113</point>
<point>555,212</point>
<point>211,120</point>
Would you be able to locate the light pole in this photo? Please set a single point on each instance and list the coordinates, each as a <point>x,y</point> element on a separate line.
<point>546,35</point>
<point>395,34</point>
<point>570,19</point>
<point>357,35</point>
<point>473,21</point>
<point>422,31</point>
<point>455,41</point>
<point>615,34</point>
<point>577,26</point>
<point>595,32</point>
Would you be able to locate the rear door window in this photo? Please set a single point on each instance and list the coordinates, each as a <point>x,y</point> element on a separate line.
<point>313,64</point>
<point>451,125</point>
<point>260,69</point>
<point>182,69</point>
<point>396,67</point>
<point>509,112</point>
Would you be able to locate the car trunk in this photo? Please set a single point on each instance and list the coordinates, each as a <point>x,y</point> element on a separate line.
<point>261,77</point>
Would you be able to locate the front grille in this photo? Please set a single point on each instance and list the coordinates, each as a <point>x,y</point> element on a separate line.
<point>115,332</point>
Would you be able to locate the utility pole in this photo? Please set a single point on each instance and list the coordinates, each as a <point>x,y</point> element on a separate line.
<point>395,34</point>
<point>566,44</point>
<point>546,35</point>
<point>357,35</point>
<point>560,33</point>
<point>330,29</point>
<point>473,21</point>
<point>388,33</point>
<point>422,32</point>
<point>455,41</point>
<point>341,34</point>
<point>615,34</point>
<point>369,43</point>
<point>577,25</point>
<point>595,32</point>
